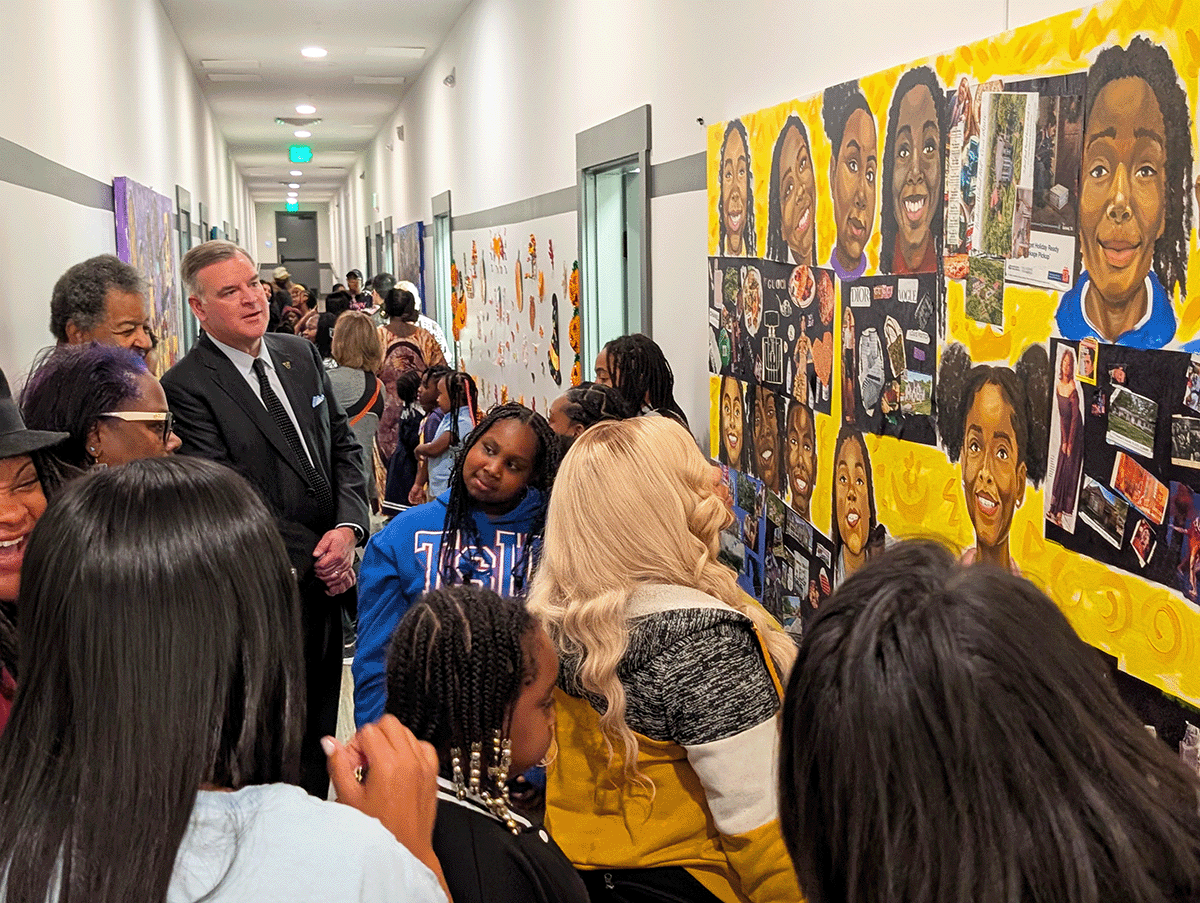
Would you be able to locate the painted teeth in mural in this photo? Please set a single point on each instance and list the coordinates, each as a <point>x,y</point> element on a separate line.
<point>950,299</point>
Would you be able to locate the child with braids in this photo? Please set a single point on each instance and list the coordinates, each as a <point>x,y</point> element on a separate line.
<point>481,531</point>
<point>473,674</point>
<point>995,419</point>
<point>457,396</point>
<point>585,405</point>
<point>637,368</point>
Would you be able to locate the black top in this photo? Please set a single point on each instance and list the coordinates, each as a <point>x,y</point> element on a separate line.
<point>484,862</point>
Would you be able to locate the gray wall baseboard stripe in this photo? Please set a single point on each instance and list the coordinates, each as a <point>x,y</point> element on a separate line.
<point>23,167</point>
<point>549,204</point>
<point>679,176</point>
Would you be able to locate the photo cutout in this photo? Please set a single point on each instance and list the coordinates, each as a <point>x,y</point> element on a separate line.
<point>853,169</point>
<point>890,325</point>
<point>797,345</point>
<point>792,201</point>
<point>735,205</point>
<point>1047,257</point>
<point>992,420</point>
<point>1137,120</point>
<point>1065,457</point>
<point>911,217</point>
<point>962,173</point>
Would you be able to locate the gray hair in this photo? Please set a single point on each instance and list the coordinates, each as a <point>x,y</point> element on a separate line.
<point>205,255</point>
<point>79,295</point>
<point>410,287</point>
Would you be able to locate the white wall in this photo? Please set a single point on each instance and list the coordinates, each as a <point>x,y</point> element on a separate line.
<point>102,87</point>
<point>530,75</point>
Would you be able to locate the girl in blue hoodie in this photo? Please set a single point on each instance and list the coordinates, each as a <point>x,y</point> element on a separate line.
<point>481,530</point>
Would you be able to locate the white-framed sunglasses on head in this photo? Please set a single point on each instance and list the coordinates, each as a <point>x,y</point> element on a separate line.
<point>166,418</point>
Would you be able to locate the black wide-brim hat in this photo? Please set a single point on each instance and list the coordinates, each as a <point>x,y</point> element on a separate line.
<point>14,438</point>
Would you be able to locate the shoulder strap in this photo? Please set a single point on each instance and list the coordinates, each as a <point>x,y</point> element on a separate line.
<point>370,404</point>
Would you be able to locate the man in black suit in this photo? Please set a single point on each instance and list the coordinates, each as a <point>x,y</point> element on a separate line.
<point>261,404</point>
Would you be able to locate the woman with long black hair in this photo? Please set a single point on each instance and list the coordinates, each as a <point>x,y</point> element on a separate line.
<point>157,772</point>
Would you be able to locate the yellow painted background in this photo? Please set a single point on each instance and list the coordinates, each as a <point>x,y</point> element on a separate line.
<point>1151,630</point>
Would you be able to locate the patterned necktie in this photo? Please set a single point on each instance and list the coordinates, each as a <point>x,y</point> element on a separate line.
<point>280,415</point>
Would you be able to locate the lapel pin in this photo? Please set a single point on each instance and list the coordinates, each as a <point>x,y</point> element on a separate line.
<point>287,365</point>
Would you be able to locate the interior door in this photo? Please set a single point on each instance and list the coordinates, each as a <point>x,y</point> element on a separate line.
<point>296,235</point>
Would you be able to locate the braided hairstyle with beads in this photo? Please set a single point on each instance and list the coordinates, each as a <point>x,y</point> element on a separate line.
<point>641,373</point>
<point>455,667</point>
<point>460,531</point>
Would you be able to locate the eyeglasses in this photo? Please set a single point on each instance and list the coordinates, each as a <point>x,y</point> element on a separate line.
<point>166,418</point>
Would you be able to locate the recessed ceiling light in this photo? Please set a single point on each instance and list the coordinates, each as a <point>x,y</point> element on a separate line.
<point>314,53</point>
<point>302,133</point>
<point>293,195</point>
<point>305,109</point>
<point>293,184</point>
<point>295,172</point>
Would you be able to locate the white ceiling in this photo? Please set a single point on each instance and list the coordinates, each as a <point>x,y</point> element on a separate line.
<point>270,34</point>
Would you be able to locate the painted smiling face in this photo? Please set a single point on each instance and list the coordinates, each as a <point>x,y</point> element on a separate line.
<point>993,477</point>
<point>1122,198</point>
<point>852,178</point>
<point>797,195</point>
<point>801,458</point>
<point>735,188</point>
<point>852,496</point>
<point>766,437</point>
<point>917,174</point>
<point>731,421</point>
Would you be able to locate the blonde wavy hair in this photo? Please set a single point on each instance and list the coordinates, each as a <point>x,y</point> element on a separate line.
<point>634,503</point>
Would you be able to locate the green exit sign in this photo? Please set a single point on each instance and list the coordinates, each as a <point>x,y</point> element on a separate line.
<point>293,206</point>
<point>300,153</point>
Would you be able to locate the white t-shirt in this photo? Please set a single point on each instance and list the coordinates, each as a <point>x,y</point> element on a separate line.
<point>274,842</point>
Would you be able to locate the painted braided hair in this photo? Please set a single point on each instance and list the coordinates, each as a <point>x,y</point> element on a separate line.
<point>460,531</point>
<point>642,371</point>
<point>1026,388</point>
<point>777,248</point>
<point>749,238</point>
<point>1152,64</point>
<point>837,105</point>
<point>913,78</point>
<point>455,667</point>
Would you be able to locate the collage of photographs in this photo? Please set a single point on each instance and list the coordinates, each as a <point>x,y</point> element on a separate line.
<point>950,289</point>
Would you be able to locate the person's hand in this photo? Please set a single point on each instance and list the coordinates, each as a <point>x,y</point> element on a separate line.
<point>387,773</point>
<point>335,560</point>
<point>416,495</point>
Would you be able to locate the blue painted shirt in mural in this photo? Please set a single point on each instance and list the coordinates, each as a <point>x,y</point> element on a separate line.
<point>1156,329</point>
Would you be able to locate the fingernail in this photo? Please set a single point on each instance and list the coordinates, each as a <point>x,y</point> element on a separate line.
<point>328,745</point>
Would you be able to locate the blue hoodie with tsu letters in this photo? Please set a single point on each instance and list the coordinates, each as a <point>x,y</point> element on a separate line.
<point>401,564</point>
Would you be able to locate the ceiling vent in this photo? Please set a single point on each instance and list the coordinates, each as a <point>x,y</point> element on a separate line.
<point>399,133</point>
<point>297,121</point>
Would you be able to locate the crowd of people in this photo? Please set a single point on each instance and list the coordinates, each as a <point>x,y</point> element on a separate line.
<point>546,605</point>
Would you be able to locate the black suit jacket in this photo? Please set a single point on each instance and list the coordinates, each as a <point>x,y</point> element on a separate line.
<point>218,416</point>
